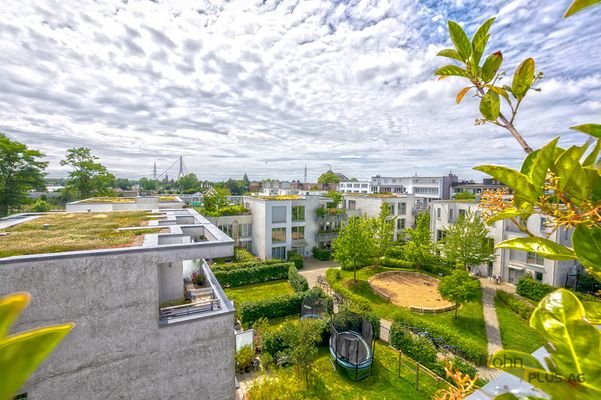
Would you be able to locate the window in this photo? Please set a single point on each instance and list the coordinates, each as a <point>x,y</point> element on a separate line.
<point>401,223</point>
<point>538,276</point>
<point>227,229</point>
<point>352,204</point>
<point>278,235</point>
<point>543,222</point>
<point>245,230</point>
<point>515,255</point>
<point>534,258</point>
<point>440,235</point>
<point>278,252</point>
<point>451,215</point>
<point>278,214</point>
<point>298,213</point>
<point>391,208</point>
<point>461,213</point>
<point>438,213</point>
<point>298,232</point>
<point>402,208</point>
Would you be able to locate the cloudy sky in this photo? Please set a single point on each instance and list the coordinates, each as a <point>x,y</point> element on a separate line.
<point>269,86</point>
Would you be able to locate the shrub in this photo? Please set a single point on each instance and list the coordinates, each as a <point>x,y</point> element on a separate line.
<point>40,206</point>
<point>395,252</point>
<point>297,281</point>
<point>244,358</point>
<point>532,289</point>
<point>242,255</point>
<point>354,301</point>
<point>520,307</point>
<point>297,259</point>
<point>322,254</point>
<point>198,278</point>
<point>416,347</point>
<point>247,276</point>
<point>275,307</point>
<point>240,265</point>
<point>396,263</point>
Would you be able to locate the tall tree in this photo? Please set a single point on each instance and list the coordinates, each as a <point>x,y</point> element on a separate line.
<point>467,242</point>
<point>148,184</point>
<point>328,177</point>
<point>88,176</point>
<point>122,183</point>
<point>245,183</point>
<point>354,246</point>
<point>188,183</point>
<point>459,288</point>
<point>382,229</point>
<point>20,171</point>
<point>419,245</point>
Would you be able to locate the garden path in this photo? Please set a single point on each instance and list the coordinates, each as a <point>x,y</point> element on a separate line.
<point>312,268</point>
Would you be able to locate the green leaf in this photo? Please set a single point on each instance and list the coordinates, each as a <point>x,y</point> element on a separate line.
<point>21,354</point>
<point>505,360</point>
<point>541,246</point>
<point>593,158</point>
<point>570,173</point>
<point>450,70</point>
<point>490,105</point>
<point>491,66</point>
<point>11,307</point>
<point>587,245</point>
<point>591,129</point>
<point>592,311</point>
<point>450,53</point>
<point>462,93</point>
<point>541,164</point>
<point>479,41</point>
<point>460,40</point>
<point>579,5</point>
<point>514,179</point>
<point>508,213</point>
<point>499,91</point>
<point>523,78</point>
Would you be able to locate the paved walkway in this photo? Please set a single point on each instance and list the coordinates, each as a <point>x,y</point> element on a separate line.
<point>313,268</point>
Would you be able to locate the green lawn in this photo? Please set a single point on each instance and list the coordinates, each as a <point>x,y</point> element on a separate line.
<point>516,333</point>
<point>259,291</point>
<point>383,384</point>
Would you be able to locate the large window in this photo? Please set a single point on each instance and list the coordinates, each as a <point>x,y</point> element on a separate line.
<point>352,204</point>
<point>438,213</point>
<point>402,208</point>
<point>278,235</point>
<point>245,230</point>
<point>227,229</point>
<point>278,252</point>
<point>450,215</point>
<point>278,214</point>
<point>298,213</point>
<point>401,223</point>
<point>534,258</point>
<point>298,232</point>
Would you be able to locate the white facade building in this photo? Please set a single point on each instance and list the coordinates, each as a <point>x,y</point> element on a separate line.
<point>355,187</point>
<point>511,265</point>
<point>425,189</point>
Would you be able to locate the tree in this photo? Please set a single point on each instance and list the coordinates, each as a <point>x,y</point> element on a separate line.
<point>467,242</point>
<point>188,183</point>
<point>20,171</point>
<point>328,177</point>
<point>122,183</point>
<point>40,205</point>
<point>465,196</point>
<point>354,246</point>
<point>245,183</point>
<point>215,198</point>
<point>419,244</point>
<point>302,340</point>
<point>382,229</point>
<point>88,176</point>
<point>336,199</point>
<point>235,187</point>
<point>148,184</point>
<point>459,288</point>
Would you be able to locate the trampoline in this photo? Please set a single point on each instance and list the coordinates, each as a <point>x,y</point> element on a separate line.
<point>352,344</point>
<point>314,307</point>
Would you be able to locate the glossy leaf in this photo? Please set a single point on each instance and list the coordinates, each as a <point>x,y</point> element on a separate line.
<point>579,5</point>
<point>460,40</point>
<point>480,40</point>
<point>523,78</point>
<point>591,129</point>
<point>541,246</point>
<point>569,170</point>
<point>21,354</point>
<point>450,70</point>
<point>512,178</point>
<point>508,213</point>
<point>500,91</point>
<point>540,166</point>
<point>462,93</point>
<point>491,66</point>
<point>592,311</point>
<point>490,106</point>
<point>587,245</point>
<point>11,307</point>
<point>593,158</point>
<point>450,53</point>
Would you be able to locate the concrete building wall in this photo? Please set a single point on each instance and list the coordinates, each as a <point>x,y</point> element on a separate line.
<point>117,350</point>
<point>171,275</point>
<point>370,206</point>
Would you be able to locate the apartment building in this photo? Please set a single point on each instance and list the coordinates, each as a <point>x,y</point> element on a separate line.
<point>135,336</point>
<point>425,189</point>
<point>511,265</point>
<point>363,187</point>
<point>402,208</point>
<point>476,188</point>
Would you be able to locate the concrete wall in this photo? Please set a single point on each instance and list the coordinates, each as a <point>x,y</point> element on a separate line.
<point>117,349</point>
<point>170,281</point>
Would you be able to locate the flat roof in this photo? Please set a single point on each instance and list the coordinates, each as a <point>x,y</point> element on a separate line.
<point>60,232</point>
<point>377,195</point>
<point>117,200</point>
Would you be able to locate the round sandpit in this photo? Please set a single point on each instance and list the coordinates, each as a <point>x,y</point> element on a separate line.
<point>413,290</point>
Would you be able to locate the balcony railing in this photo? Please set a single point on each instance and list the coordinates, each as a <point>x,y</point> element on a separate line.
<point>167,313</point>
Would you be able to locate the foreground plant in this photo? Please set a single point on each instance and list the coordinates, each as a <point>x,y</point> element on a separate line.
<point>22,353</point>
<point>463,384</point>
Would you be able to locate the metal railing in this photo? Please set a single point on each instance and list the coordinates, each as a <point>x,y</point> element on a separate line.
<point>169,313</point>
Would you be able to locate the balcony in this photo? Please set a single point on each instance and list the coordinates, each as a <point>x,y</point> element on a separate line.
<point>326,236</point>
<point>330,213</point>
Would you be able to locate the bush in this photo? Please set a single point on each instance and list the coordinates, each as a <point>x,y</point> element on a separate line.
<point>396,263</point>
<point>275,307</point>
<point>241,265</point>
<point>297,259</point>
<point>297,281</point>
<point>322,254</point>
<point>416,347</point>
<point>395,252</point>
<point>40,206</point>
<point>250,275</point>
<point>520,307</point>
<point>532,289</point>
<point>354,301</point>
<point>242,255</point>
<point>276,341</point>
<point>244,358</point>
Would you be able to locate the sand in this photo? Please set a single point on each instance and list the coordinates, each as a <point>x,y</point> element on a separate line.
<point>408,289</point>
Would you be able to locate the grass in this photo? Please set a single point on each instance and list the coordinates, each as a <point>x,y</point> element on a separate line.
<point>167,198</point>
<point>383,384</point>
<point>516,333</point>
<point>74,231</point>
<point>122,200</point>
<point>259,291</point>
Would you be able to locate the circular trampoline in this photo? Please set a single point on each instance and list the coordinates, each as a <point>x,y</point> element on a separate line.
<point>314,307</point>
<point>352,344</point>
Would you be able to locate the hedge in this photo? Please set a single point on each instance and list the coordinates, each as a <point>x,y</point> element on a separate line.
<point>356,302</point>
<point>396,263</point>
<point>394,252</point>
<point>250,275</point>
<point>532,289</point>
<point>246,264</point>
<point>297,281</point>
<point>273,341</point>
<point>297,259</point>
<point>322,254</point>
<point>519,306</point>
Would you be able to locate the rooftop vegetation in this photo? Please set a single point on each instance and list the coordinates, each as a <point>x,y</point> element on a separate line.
<point>282,197</point>
<point>235,209</point>
<point>74,231</point>
<point>167,198</point>
<point>122,200</point>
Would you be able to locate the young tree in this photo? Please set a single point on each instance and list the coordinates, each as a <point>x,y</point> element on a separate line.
<point>467,242</point>
<point>20,171</point>
<point>88,176</point>
<point>245,183</point>
<point>215,198</point>
<point>302,340</point>
<point>354,246</point>
<point>382,229</point>
<point>459,288</point>
<point>419,245</point>
<point>336,199</point>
